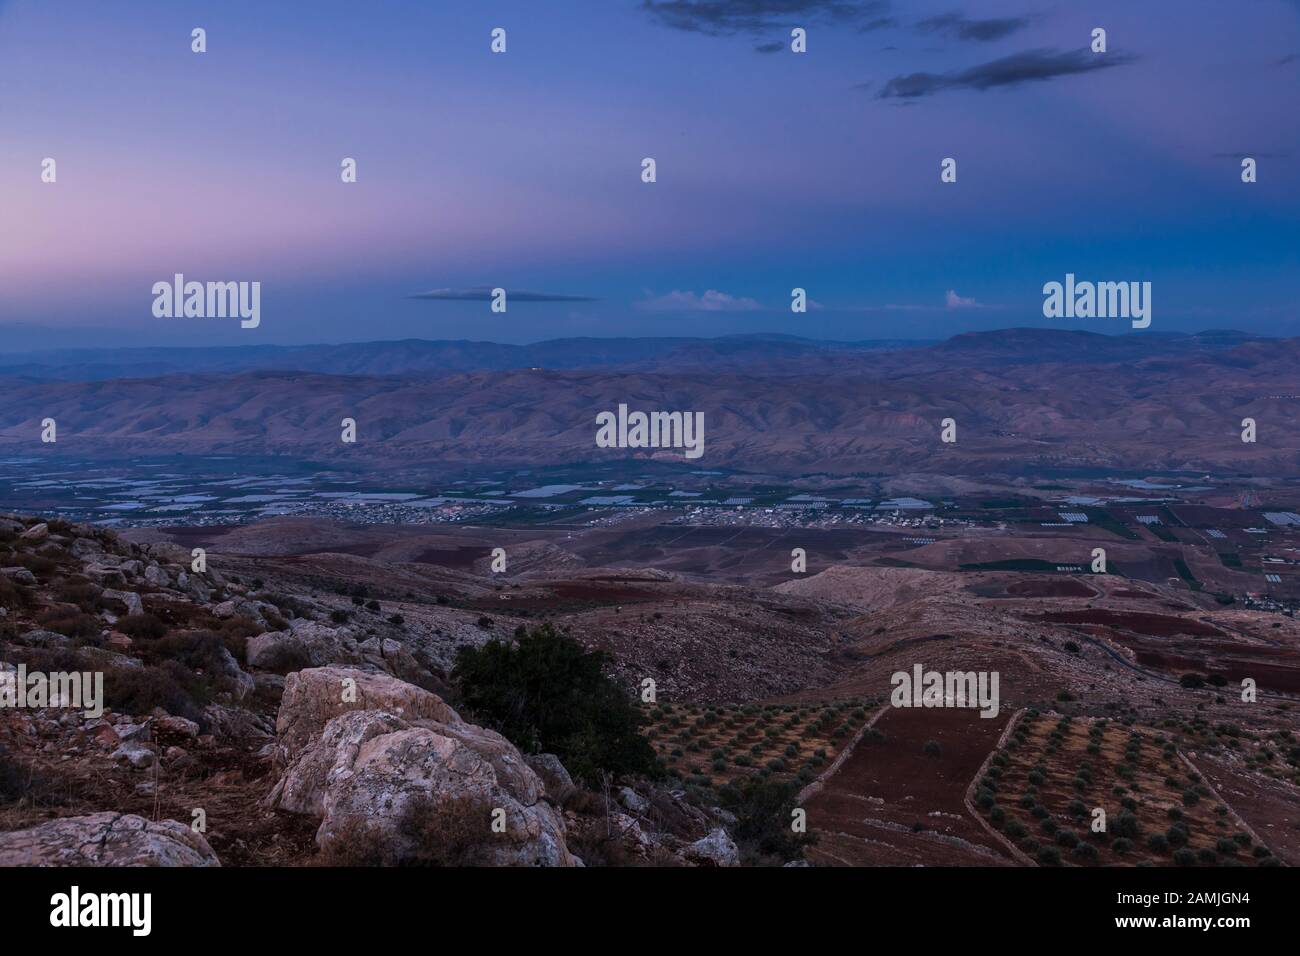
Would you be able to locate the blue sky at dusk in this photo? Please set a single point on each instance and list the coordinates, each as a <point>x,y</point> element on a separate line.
<point>522,170</point>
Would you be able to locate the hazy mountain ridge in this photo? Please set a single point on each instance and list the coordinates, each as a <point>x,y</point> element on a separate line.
<point>836,413</point>
<point>426,357</point>
<point>762,351</point>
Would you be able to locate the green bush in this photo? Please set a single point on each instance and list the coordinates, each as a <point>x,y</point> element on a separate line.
<point>546,693</point>
<point>1085,852</point>
<point>763,811</point>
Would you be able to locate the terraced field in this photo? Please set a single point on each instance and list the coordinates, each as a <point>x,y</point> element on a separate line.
<point>1043,789</point>
<point>715,745</point>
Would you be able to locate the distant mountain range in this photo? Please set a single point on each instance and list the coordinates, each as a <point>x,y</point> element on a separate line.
<point>424,357</point>
<point>1022,400</point>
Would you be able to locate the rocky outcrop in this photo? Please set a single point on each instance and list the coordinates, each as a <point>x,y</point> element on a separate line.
<point>227,675</point>
<point>305,644</point>
<point>402,768</point>
<point>554,777</point>
<point>129,599</point>
<point>106,839</point>
<point>314,696</point>
<point>389,655</point>
<point>716,849</point>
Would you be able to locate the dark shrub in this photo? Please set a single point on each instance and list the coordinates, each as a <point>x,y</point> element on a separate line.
<point>84,594</point>
<point>142,627</point>
<point>69,621</point>
<point>198,651</point>
<point>171,686</point>
<point>1084,852</point>
<point>11,595</point>
<point>547,694</point>
<point>1126,825</point>
<point>763,811</point>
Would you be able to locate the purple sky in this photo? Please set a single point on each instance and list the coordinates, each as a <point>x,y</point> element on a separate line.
<point>522,170</point>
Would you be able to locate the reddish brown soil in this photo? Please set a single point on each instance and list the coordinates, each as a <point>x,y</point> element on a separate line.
<point>1046,587</point>
<point>1157,625</point>
<point>1271,807</point>
<point>1280,677</point>
<point>867,812</point>
<point>451,557</point>
<point>570,595</point>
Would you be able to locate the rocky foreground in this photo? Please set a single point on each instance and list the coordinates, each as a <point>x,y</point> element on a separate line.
<point>243,726</point>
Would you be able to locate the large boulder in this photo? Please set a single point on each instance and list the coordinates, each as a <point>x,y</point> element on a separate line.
<point>46,639</point>
<point>106,839</point>
<point>716,849</point>
<point>314,696</point>
<point>21,575</point>
<point>157,577</point>
<point>384,653</point>
<point>407,776</point>
<point>416,790</point>
<point>129,599</point>
<point>229,675</point>
<point>554,777</point>
<point>239,607</point>
<point>86,548</point>
<point>306,643</point>
<point>169,553</point>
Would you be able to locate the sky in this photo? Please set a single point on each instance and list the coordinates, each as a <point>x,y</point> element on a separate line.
<point>523,170</point>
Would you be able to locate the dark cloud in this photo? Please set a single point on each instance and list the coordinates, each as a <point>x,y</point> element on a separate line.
<point>960,27</point>
<point>1289,58</point>
<point>878,24</point>
<point>1028,67</point>
<point>484,293</point>
<point>770,47</point>
<point>729,17</point>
